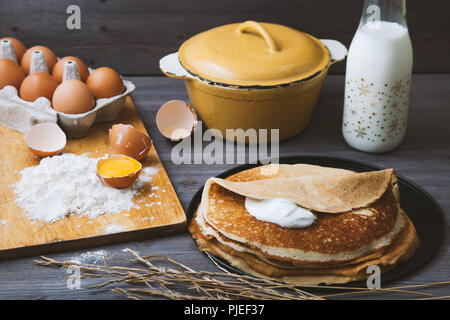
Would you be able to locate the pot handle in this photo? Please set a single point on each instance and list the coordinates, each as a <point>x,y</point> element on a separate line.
<point>255,26</point>
<point>170,65</point>
<point>338,51</point>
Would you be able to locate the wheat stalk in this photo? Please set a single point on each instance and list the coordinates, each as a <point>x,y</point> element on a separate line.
<point>159,275</point>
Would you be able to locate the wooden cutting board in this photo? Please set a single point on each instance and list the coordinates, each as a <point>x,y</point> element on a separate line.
<point>158,214</point>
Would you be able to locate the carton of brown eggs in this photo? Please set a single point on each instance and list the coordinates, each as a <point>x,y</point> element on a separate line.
<point>106,109</point>
<point>19,114</point>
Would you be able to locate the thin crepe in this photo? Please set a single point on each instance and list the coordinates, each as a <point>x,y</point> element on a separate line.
<point>335,193</point>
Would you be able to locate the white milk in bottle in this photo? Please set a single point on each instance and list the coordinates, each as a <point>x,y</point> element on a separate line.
<point>378,77</point>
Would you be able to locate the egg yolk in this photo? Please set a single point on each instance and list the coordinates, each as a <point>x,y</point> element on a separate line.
<point>118,167</point>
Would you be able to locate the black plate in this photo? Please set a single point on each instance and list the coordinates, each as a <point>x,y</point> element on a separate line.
<point>422,209</point>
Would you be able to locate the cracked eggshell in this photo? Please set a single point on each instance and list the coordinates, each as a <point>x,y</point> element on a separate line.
<point>119,182</point>
<point>45,139</point>
<point>176,120</point>
<point>125,139</point>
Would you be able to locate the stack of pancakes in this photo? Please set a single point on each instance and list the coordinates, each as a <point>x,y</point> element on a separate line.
<point>359,223</point>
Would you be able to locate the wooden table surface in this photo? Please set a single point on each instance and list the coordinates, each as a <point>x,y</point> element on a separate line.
<point>424,157</point>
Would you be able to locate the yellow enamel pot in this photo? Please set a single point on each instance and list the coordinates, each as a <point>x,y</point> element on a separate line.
<point>254,76</point>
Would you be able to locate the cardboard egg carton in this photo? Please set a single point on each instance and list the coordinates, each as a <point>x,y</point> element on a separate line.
<point>24,114</point>
<point>21,115</point>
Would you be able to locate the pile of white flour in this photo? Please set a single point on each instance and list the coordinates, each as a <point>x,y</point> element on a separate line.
<point>68,184</point>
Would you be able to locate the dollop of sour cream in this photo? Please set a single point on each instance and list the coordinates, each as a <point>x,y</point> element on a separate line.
<point>282,212</point>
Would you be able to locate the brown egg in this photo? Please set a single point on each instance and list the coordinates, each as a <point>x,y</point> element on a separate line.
<point>10,74</point>
<point>19,48</point>
<point>58,69</point>
<point>50,58</point>
<point>73,97</point>
<point>38,84</point>
<point>125,139</point>
<point>104,82</point>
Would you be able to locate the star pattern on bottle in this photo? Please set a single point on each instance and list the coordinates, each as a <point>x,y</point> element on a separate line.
<point>394,125</point>
<point>360,132</point>
<point>363,90</point>
<point>397,87</point>
<point>376,111</point>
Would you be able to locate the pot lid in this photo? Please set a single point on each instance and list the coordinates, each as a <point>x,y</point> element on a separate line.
<point>253,54</point>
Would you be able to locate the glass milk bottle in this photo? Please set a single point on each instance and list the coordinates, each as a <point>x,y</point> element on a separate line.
<point>378,77</point>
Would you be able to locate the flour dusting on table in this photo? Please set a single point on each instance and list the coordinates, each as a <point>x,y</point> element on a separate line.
<point>90,257</point>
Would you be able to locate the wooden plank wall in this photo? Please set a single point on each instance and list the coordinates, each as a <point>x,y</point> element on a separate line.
<point>133,35</point>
